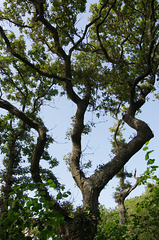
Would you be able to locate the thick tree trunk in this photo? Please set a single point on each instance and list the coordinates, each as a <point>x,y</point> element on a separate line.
<point>84,224</point>
<point>82,227</point>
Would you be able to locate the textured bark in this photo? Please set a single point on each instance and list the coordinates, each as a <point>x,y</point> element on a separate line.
<point>81,227</point>
<point>92,186</point>
<point>144,134</point>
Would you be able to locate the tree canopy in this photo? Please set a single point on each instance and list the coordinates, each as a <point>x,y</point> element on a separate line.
<point>108,66</point>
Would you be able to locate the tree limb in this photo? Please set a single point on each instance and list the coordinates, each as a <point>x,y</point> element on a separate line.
<point>38,150</point>
<point>98,36</point>
<point>86,29</point>
<point>109,170</point>
<point>25,60</point>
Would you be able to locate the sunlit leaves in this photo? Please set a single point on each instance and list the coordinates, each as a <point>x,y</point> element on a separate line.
<point>15,12</point>
<point>126,35</point>
<point>64,16</point>
<point>142,212</point>
<point>150,172</point>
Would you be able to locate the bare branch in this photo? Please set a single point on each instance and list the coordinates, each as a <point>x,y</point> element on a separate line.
<point>86,29</point>
<point>135,185</point>
<point>15,23</point>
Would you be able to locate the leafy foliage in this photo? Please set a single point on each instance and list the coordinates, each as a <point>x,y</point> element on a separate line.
<point>142,218</point>
<point>29,214</point>
<point>142,212</point>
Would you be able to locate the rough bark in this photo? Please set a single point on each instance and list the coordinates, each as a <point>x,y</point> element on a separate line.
<point>92,186</point>
<point>82,226</point>
<point>144,134</point>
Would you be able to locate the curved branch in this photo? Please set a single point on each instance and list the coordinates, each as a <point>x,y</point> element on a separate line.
<point>54,31</point>
<point>136,105</point>
<point>16,24</point>
<point>21,115</point>
<point>108,171</point>
<point>74,97</point>
<point>38,150</point>
<point>74,160</point>
<point>40,17</point>
<point>86,29</point>
<point>126,192</point>
<point>136,183</point>
<point>77,130</point>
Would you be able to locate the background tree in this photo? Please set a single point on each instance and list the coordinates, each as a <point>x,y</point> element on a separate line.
<point>124,190</point>
<point>142,220</point>
<point>113,60</point>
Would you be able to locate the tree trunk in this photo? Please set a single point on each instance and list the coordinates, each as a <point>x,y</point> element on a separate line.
<point>121,200</point>
<point>82,227</point>
<point>122,213</point>
<point>84,224</point>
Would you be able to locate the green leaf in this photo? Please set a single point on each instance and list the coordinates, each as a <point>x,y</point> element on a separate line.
<point>42,199</point>
<point>151,161</point>
<point>29,204</point>
<point>53,185</point>
<point>138,209</point>
<point>59,196</point>
<point>16,188</point>
<point>154,167</point>
<point>145,148</point>
<point>43,193</point>
<point>37,207</point>
<point>50,181</point>
<point>147,154</point>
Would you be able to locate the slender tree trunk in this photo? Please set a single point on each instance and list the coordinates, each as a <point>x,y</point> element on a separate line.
<point>122,213</point>
<point>121,199</point>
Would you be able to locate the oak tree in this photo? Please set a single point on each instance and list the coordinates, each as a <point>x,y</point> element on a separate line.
<point>109,66</point>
